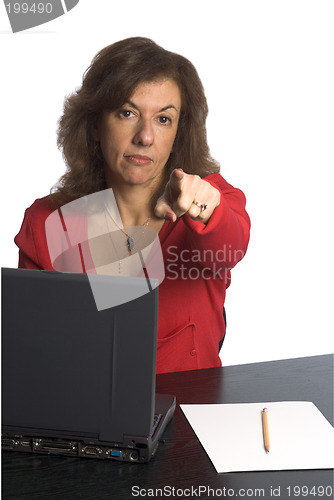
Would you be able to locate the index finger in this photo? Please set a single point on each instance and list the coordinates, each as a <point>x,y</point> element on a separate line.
<point>176,176</point>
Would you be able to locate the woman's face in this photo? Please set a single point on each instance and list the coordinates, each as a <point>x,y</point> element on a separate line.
<point>137,139</point>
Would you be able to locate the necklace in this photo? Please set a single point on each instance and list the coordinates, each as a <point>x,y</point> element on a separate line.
<point>129,239</point>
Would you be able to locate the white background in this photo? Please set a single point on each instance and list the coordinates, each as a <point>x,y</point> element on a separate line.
<point>267,68</point>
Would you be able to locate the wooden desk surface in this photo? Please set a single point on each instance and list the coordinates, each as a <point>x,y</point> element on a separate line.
<point>181,468</point>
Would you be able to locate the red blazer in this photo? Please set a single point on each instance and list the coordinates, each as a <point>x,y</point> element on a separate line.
<point>197,259</point>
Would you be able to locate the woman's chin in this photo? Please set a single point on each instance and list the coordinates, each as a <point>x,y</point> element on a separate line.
<point>140,178</point>
<point>135,176</point>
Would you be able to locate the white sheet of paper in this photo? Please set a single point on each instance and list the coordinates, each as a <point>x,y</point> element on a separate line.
<point>231,434</point>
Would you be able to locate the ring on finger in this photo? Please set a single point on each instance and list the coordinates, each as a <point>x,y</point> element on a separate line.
<point>200,205</point>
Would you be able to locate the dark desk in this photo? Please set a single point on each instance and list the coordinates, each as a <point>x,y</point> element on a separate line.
<point>181,463</point>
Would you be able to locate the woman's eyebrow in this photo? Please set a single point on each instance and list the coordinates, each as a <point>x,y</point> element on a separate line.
<point>169,106</point>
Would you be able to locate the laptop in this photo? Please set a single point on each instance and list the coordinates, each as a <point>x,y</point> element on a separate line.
<point>76,380</point>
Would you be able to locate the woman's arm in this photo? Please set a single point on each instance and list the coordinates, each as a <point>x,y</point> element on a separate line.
<point>223,227</point>
<point>31,239</point>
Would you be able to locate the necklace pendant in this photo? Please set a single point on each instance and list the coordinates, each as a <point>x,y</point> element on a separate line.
<point>130,243</point>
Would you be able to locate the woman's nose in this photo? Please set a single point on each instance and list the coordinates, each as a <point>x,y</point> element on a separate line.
<point>144,135</point>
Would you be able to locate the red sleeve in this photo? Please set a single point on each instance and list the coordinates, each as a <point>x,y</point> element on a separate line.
<point>228,229</point>
<point>31,239</point>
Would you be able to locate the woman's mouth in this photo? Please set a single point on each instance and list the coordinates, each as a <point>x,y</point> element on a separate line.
<point>138,159</point>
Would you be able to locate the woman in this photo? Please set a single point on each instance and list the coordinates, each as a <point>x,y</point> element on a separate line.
<point>137,125</point>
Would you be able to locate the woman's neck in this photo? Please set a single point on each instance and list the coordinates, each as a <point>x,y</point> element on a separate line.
<point>135,204</point>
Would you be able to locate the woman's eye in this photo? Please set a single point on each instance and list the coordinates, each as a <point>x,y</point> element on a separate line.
<point>164,120</point>
<point>126,113</point>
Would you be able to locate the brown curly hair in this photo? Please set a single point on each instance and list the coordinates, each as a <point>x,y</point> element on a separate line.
<point>108,83</point>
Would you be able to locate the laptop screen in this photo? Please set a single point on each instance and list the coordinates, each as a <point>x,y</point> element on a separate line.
<point>70,369</point>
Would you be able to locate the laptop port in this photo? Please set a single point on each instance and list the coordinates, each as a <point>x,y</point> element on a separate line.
<point>92,450</point>
<point>115,453</point>
<point>56,445</point>
<point>7,443</point>
<point>133,455</point>
<point>25,443</point>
